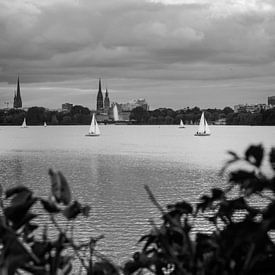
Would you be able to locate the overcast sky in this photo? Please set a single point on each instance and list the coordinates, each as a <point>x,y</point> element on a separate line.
<point>173,53</point>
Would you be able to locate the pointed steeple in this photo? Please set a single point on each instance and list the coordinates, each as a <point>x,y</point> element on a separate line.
<point>18,95</point>
<point>99,85</point>
<point>99,102</point>
<point>18,86</point>
<point>106,101</point>
<point>17,102</point>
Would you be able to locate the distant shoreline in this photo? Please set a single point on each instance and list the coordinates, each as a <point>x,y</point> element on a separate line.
<point>79,115</point>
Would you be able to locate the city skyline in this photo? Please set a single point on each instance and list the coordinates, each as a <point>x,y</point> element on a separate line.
<point>175,53</point>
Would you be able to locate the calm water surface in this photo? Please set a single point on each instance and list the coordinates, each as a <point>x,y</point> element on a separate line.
<point>109,172</point>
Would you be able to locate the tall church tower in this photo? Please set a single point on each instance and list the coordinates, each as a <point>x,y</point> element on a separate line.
<point>99,100</point>
<point>17,102</point>
<point>106,102</point>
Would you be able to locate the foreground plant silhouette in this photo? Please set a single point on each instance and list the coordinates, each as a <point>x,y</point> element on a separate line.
<point>22,250</point>
<point>242,215</point>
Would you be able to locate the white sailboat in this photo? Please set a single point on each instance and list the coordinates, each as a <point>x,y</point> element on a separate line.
<point>24,124</point>
<point>203,127</point>
<point>181,124</point>
<point>45,124</point>
<point>94,129</point>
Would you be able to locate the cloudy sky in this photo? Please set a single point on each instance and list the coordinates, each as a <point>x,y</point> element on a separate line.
<point>174,53</point>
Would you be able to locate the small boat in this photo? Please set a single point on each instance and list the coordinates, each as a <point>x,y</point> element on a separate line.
<point>203,127</point>
<point>24,124</point>
<point>45,124</point>
<point>181,124</point>
<point>94,129</point>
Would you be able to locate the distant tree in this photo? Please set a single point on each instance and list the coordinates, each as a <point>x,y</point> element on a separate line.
<point>36,115</point>
<point>78,109</point>
<point>153,120</point>
<point>227,110</point>
<point>139,114</point>
<point>66,120</point>
<point>195,110</point>
<point>179,117</point>
<point>54,120</point>
<point>269,117</point>
<point>161,119</point>
<point>168,120</point>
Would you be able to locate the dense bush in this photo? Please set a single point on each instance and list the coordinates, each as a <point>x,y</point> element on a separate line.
<point>242,241</point>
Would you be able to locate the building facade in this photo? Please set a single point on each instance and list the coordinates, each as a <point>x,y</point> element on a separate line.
<point>17,101</point>
<point>252,108</point>
<point>129,106</point>
<point>67,107</point>
<point>271,101</point>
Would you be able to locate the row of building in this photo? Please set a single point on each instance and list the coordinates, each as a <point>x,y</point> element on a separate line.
<point>106,110</point>
<point>255,108</point>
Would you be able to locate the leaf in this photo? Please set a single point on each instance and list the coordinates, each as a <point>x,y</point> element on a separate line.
<point>104,267</point>
<point>17,189</point>
<point>205,202</point>
<point>50,206</point>
<point>19,206</point>
<point>254,154</point>
<point>41,248</point>
<point>24,219</point>
<point>217,193</point>
<point>72,211</point>
<point>60,187</point>
<point>182,207</point>
<point>241,176</point>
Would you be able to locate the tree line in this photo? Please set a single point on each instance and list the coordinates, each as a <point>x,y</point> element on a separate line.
<point>38,115</point>
<point>82,115</point>
<point>192,116</point>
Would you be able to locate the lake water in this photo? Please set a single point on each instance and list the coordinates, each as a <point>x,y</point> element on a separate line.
<point>109,172</point>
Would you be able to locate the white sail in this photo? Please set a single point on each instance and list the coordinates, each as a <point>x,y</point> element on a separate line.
<point>181,124</point>
<point>202,124</point>
<point>94,129</point>
<point>97,131</point>
<point>24,124</point>
<point>203,129</point>
<point>45,124</point>
<point>207,130</point>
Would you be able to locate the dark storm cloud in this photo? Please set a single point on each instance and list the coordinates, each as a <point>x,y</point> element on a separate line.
<point>49,41</point>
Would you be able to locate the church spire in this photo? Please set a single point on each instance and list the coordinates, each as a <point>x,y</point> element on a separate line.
<point>106,101</point>
<point>99,85</point>
<point>99,102</point>
<point>17,103</point>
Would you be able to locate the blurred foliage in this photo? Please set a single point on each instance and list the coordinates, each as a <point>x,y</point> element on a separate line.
<point>22,249</point>
<point>241,216</point>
